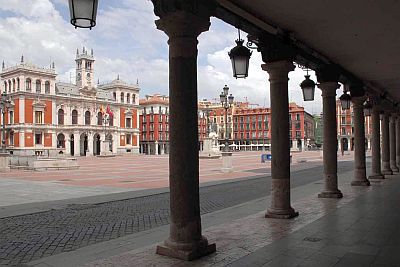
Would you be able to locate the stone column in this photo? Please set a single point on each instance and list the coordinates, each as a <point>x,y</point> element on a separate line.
<point>360,176</point>
<point>77,144</point>
<point>280,145</point>
<point>376,142</point>
<point>328,89</point>
<point>386,170</point>
<point>398,141</point>
<point>392,138</point>
<point>90,150</point>
<point>183,24</point>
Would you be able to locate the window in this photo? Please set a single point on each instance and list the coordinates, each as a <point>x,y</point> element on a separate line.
<point>133,99</point>
<point>18,86</point>
<point>9,86</point>
<point>122,97</point>
<point>128,139</point>
<point>38,117</point>
<point>60,117</point>
<point>13,85</point>
<point>28,85</point>
<point>151,118</point>
<point>74,117</point>
<point>38,87</point>
<point>11,138</point>
<point>343,130</point>
<point>160,127</point>
<point>343,120</point>
<point>11,117</point>
<point>47,87</point>
<point>99,118</point>
<point>298,134</point>
<point>128,98</point>
<point>38,138</point>
<point>87,117</point>
<point>297,116</point>
<point>128,123</point>
<point>151,110</point>
<point>114,95</point>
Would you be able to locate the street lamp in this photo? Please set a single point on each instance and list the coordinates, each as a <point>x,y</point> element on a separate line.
<point>83,13</point>
<point>5,103</point>
<point>208,120</point>
<point>227,102</point>
<point>308,88</point>
<point>240,57</point>
<point>345,101</point>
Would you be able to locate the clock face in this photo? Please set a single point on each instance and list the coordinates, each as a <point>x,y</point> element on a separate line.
<point>88,76</point>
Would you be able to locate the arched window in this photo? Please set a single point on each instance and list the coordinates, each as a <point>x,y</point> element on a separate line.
<point>128,98</point>
<point>60,140</point>
<point>60,117</point>
<point>18,85</point>
<point>9,86</point>
<point>74,117</point>
<point>13,82</point>
<point>5,86</point>
<point>133,99</point>
<point>28,84</point>
<point>87,117</point>
<point>114,95</point>
<point>122,97</point>
<point>47,87</point>
<point>99,118</point>
<point>38,87</point>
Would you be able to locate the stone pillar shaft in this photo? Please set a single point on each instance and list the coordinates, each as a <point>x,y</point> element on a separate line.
<point>376,144</point>
<point>385,145</point>
<point>360,177</point>
<point>185,240</point>
<point>392,138</point>
<point>280,145</point>
<point>398,141</point>
<point>330,140</point>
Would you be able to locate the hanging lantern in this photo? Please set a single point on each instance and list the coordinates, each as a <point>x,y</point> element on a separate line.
<point>230,99</point>
<point>381,115</point>
<point>367,108</point>
<point>83,13</point>
<point>345,101</point>
<point>240,57</point>
<point>308,88</point>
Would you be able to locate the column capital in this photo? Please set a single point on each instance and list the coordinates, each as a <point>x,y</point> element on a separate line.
<point>278,67</point>
<point>358,101</point>
<point>327,73</point>
<point>328,88</point>
<point>273,49</point>
<point>183,18</point>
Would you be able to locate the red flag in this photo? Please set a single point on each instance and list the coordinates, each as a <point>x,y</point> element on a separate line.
<point>109,112</point>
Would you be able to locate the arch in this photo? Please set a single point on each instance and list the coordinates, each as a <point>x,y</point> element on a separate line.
<point>345,144</point>
<point>28,85</point>
<point>38,86</point>
<point>13,85</point>
<point>60,116</point>
<point>122,97</point>
<point>99,118</point>
<point>61,140</point>
<point>96,144</point>
<point>128,98</point>
<point>84,144</point>
<point>5,86</point>
<point>109,139</point>
<point>9,86</point>
<point>18,84</point>
<point>87,117</point>
<point>72,144</point>
<point>47,87</point>
<point>74,116</point>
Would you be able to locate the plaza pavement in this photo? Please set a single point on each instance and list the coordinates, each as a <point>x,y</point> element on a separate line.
<point>100,176</point>
<point>359,230</point>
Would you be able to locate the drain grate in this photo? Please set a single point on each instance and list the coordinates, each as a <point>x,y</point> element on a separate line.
<point>312,239</point>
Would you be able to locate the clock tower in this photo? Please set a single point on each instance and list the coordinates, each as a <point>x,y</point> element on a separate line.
<point>84,68</point>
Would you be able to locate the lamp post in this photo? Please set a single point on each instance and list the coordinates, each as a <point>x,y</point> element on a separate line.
<point>226,102</point>
<point>208,119</point>
<point>4,105</point>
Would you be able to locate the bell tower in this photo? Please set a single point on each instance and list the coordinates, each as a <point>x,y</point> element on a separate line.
<point>84,68</point>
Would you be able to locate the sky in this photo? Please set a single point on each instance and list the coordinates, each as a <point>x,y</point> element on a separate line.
<point>126,42</point>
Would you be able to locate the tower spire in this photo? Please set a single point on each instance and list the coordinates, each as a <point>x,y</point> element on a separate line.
<point>22,58</point>
<point>3,65</point>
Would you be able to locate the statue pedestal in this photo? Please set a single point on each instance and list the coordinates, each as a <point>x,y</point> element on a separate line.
<point>208,151</point>
<point>227,162</point>
<point>4,162</point>
<point>105,149</point>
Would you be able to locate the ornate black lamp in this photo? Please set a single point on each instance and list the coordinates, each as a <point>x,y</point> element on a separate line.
<point>345,101</point>
<point>308,88</point>
<point>240,57</point>
<point>367,108</point>
<point>83,13</point>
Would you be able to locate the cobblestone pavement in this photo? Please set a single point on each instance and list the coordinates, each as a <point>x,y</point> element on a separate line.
<point>29,237</point>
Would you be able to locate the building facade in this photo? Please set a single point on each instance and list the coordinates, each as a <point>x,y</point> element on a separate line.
<point>345,128</point>
<point>77,119</point>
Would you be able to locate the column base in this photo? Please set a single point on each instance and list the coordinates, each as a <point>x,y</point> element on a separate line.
<point>361,183</point>
<point>376,176</point>
<point>330,194</point>
<point>186,251</point>
<point>281,214</point>
<point>387,172</point>
<point>394,169</point>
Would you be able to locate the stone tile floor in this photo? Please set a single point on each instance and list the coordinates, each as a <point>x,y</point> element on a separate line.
<point>362,229</point>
